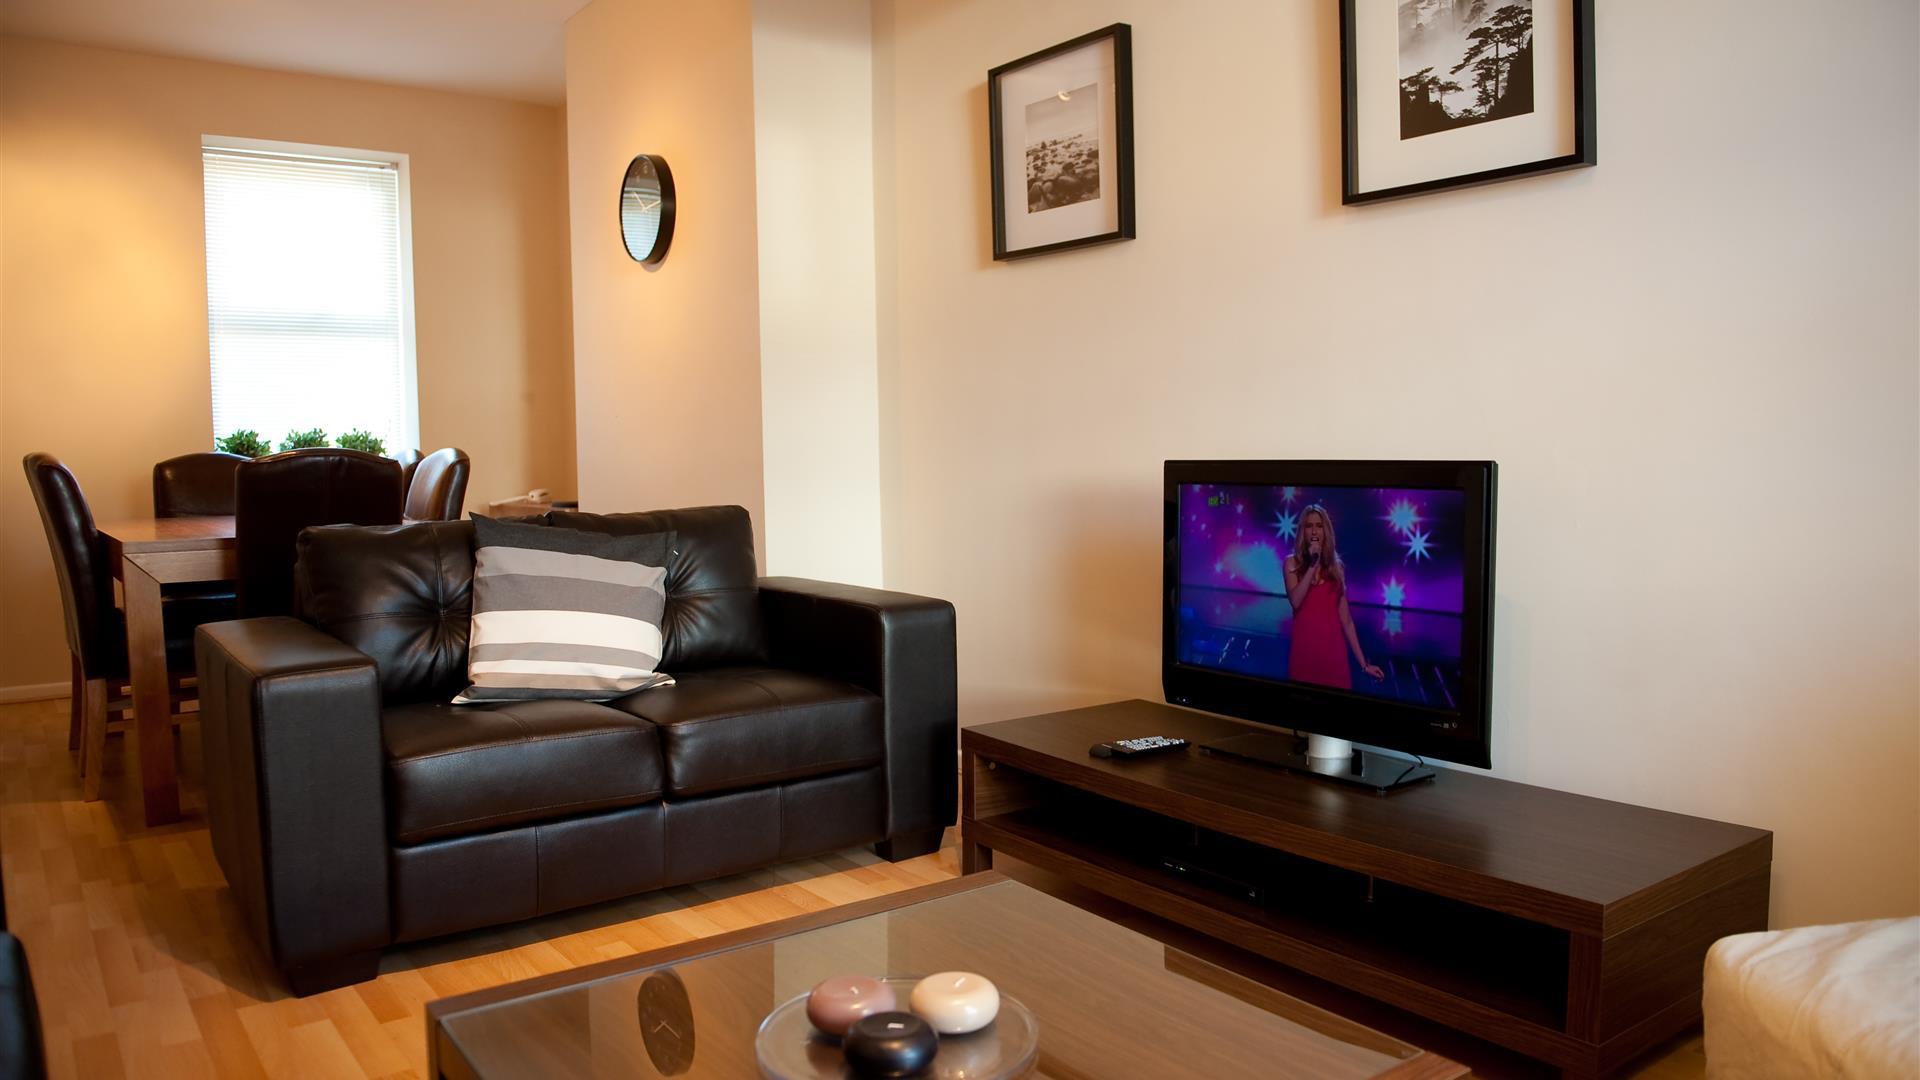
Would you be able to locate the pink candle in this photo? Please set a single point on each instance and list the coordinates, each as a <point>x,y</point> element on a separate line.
<point>837,1002</point>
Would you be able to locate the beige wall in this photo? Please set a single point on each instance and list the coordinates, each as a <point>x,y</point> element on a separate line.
<point>667,370</point>
<point>103,318</point>
<point>1697,365</point>
<point>820,414</point>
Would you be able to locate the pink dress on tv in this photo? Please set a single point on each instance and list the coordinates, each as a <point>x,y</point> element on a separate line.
<point>1318,653</point>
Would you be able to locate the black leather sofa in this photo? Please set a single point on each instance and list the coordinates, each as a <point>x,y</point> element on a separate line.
<point>352,808</point>
<point>22,1051</point>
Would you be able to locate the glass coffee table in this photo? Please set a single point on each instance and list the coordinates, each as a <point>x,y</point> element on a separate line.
<point>1110,1002</point>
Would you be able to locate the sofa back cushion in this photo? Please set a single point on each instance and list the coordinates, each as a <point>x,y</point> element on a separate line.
<point>713,592</point>
<point>402,594</point>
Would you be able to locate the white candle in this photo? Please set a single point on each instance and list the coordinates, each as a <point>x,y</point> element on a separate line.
<point>956,1002</point>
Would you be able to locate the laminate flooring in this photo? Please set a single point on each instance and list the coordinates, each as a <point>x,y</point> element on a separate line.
<point>143,967</point>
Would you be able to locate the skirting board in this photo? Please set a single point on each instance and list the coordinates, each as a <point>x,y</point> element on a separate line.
<point>38,692</point>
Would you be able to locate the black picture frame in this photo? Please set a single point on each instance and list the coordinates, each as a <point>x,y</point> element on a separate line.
<point>1122,36</point>
<point>1585,147</point>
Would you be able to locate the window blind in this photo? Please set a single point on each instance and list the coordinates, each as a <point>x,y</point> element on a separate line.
<point>306,304</point>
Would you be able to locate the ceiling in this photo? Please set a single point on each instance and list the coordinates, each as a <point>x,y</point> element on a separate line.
<point>499,48</point>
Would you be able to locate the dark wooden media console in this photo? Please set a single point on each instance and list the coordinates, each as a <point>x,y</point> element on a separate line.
<point>1568,928</point>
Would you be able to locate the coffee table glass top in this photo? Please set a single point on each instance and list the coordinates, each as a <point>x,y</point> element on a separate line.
<point>1110,1002</point>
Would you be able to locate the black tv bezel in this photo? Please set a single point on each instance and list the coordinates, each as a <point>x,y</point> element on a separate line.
<point>1336,713</point>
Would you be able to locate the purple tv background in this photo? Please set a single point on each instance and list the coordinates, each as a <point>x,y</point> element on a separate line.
<point>1406,584</point>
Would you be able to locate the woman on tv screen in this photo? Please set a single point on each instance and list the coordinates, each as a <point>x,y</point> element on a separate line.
<point>1322,622</point>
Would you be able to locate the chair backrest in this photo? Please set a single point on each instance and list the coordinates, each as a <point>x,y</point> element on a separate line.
<point>79,563</point>
<point>278,495</point>
<point>194,484</point>
<point>409,460</point>
<point>439,488</point>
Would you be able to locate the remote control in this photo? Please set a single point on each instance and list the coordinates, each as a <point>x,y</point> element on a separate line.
<point>1151,744</point>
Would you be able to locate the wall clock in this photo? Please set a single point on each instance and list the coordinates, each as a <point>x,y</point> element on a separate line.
<point>646,209</point>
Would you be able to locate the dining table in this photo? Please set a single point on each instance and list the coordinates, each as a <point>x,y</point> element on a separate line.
<point>145,554</point>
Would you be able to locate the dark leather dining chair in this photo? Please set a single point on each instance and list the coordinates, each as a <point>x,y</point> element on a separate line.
<point>409,460</point>
<point>439,488</point>
<point>96,629</point>
<point>278,495</point>
<point>197,484</point>
<point>194,484</point>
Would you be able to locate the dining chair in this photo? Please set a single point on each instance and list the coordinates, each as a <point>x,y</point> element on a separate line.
<point>278,495</point>
<point>439,488</point>
<point>194,484</point>
<point>409,460</point>
<point>96,629</point>
<point>198,484</point>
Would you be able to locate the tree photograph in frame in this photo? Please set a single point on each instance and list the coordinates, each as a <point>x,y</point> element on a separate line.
<point>1438,94</point>
<point>1061,129</point>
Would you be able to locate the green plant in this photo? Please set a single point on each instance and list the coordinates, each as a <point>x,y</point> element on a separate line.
<point>246,442</point>
<point>301,440</point>
<point>361,439</point>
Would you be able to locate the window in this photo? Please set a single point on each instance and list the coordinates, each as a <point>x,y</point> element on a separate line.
<point>309,291</point>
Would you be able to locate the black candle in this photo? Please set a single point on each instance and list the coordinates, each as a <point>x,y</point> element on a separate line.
<point>890,1044</point>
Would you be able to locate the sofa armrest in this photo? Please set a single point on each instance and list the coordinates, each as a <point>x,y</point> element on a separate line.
<point>22,1053</point>
<point>290,721</point>
<point>900,647</point>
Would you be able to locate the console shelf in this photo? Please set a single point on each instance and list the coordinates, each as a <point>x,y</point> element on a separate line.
<point>1567,928</point>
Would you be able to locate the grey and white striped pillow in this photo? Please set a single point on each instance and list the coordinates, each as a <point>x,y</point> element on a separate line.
<point>563,613</point>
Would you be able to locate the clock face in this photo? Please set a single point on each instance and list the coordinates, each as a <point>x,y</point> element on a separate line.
<point>666,1023</point>
<point>646,209</point>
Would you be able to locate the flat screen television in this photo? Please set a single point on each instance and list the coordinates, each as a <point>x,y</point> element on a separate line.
<point>1348,599</point>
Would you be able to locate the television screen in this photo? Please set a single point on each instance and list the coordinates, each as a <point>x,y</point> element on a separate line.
<point>1358,589</point>
<point>1347,599</point>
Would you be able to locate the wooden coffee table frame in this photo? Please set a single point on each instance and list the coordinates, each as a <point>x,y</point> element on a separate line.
<point>445,1059</point>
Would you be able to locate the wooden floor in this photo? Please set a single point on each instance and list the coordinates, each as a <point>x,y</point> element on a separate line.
<point>142,967</point>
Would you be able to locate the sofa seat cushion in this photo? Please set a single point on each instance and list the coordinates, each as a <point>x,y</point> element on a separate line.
<point>731,728</point>
<point>454,770</point>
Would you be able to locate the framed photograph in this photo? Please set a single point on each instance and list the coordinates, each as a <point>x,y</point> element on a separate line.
<point>1440,94</point>
<point>1061,123</point>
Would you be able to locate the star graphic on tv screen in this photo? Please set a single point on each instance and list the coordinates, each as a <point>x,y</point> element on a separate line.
<point>1285,524</point>
<point>1220,566</point>
<point>1288,494</point>
<point>1417,545</point>
<point>1393,594</point>
<point>1402,516</point>
<point>1391,624</point>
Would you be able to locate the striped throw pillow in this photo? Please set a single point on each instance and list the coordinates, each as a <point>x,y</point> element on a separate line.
<point>562,613</point>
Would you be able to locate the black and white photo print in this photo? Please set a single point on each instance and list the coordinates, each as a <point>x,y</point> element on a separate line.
<point>1063,148</point>
<point>1464,62</point>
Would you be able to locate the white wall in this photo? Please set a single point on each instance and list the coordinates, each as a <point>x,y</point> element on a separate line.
<point>813,158</point>
<point>666,361</point>
<point>1696,364</point>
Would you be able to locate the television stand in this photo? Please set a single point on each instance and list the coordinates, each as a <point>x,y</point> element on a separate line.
<point>1568,928</point>
<point>1379,773</point>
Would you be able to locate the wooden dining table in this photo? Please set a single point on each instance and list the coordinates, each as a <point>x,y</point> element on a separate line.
<point>146,553</point>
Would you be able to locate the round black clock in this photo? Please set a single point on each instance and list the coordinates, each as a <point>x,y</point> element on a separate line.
<point>646,209</point>
<point>666,1022</point>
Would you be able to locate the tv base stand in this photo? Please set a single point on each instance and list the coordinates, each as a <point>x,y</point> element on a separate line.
<point>1379,773</point>
<point>1568,928</point>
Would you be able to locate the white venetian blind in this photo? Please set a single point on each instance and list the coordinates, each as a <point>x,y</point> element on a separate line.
<point>306,295</point>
